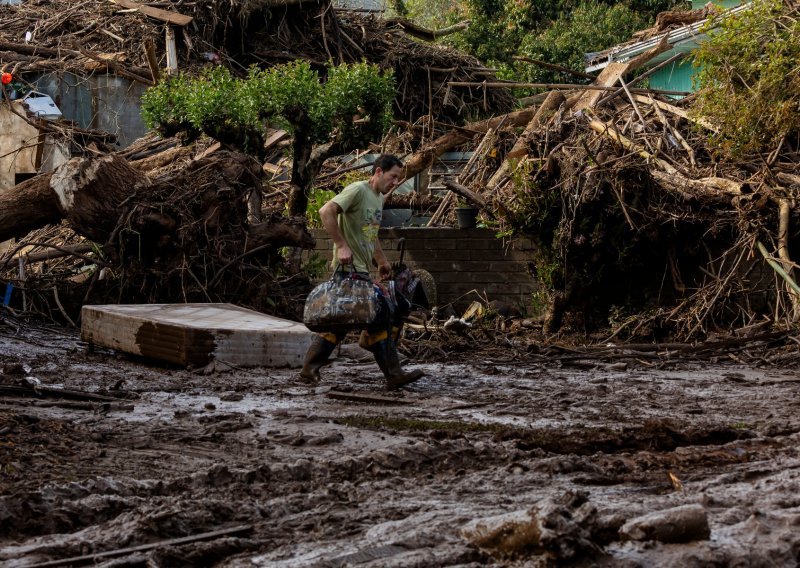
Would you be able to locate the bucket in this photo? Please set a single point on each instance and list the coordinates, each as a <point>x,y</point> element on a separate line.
<point>467,217</point>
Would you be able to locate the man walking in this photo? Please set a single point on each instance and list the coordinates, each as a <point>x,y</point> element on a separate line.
<point>352,220</point>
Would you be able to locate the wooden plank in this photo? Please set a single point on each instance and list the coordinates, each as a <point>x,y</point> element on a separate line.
<point>274,137</point>
<point>152,62</point>
<point>271,168</point>
<point>157,13</point>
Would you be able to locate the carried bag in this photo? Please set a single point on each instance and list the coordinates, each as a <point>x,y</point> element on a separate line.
<point>347,301</point>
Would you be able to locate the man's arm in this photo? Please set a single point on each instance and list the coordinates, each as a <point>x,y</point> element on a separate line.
<point>384,268</point>
<point>329,214</point>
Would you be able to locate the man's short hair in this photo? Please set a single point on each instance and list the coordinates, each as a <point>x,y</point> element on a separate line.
<point>386,162</point>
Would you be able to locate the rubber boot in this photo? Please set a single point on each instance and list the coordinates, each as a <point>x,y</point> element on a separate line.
<point>316,357</point>
<point>389,362</point>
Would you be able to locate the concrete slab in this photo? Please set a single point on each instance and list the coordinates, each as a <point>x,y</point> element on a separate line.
<point>197,334</point>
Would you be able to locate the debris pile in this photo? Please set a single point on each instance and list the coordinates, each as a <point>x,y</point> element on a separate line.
<point>196,230</point>
<point>135,41</point>
<point>638,222</point>
<point>194,234</point>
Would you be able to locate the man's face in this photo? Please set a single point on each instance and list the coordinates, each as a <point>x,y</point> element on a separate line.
<point>387,180</point>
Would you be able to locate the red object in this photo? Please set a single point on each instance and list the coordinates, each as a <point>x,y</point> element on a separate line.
<point>7,78</point>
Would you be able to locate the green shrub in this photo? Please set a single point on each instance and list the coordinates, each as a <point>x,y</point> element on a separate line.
<point>291,96</point>
<point>749,77</point>
<point>317,199</point>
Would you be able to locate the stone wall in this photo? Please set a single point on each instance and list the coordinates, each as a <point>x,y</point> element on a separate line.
<point>467,264</point>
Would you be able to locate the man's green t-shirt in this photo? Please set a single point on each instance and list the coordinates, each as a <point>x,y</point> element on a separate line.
<point>359,221</point>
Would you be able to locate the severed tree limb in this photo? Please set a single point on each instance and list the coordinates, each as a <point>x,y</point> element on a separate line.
<point>162,158</point>
<point>778,268</point>
<point>557,87</point>
<point>670,177</point>
<point>614,72</point>
<point>418,31</point>
<point>465,192</point>
<point>57,252</point>
<point>93,558</point>
<point>638,78</point>
<point>677,111</point>
<point>554,67</point>
<point>788,179</point>
<point>424,157</point>
<point>32,49</point>
<point>710,188</point>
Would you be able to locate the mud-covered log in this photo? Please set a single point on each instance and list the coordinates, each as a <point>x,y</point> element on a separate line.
<point>680,524</point>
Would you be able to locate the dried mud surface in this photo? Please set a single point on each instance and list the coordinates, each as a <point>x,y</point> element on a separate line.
<point>312,480</point>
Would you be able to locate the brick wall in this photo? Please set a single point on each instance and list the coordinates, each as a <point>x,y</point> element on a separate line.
<point>461,260</point>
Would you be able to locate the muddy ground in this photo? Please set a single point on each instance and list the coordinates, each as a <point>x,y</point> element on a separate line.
<point>290,475</point>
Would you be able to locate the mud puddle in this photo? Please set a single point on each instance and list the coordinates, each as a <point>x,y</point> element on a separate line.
<point>486,464</point>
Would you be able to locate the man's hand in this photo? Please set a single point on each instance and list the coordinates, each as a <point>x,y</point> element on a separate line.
<point>345,255</point>
<point>384,270</point>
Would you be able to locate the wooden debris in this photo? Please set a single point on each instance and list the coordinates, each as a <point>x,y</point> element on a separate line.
<point>53,392</point>
<point>157,13</point>
<point>366,398</point>
<point>423,158</point>
<point>89,558</point>
<point>543,113</point>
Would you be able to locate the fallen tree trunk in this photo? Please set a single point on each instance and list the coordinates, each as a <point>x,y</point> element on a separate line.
<point>88,192</point>
<point>85,191</point>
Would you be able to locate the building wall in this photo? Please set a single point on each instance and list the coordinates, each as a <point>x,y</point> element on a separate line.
<point>101,102</point>
<point>674,77</point>
<point>467,264</point>
<point>18,144</point>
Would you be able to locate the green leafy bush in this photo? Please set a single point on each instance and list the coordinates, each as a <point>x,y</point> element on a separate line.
<point>354,104</point>
<point>164,106</point>
<point>749,77</point>
<point>317,198</point>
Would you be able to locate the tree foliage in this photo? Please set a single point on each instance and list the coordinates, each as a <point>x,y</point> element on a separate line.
<point>344,112</point>
<point>592,26</point>
<point>502,29</point>
<point>292,96</point>
<point>749,76</point>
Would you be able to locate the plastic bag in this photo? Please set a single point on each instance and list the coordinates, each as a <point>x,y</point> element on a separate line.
<point>343,303</point>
